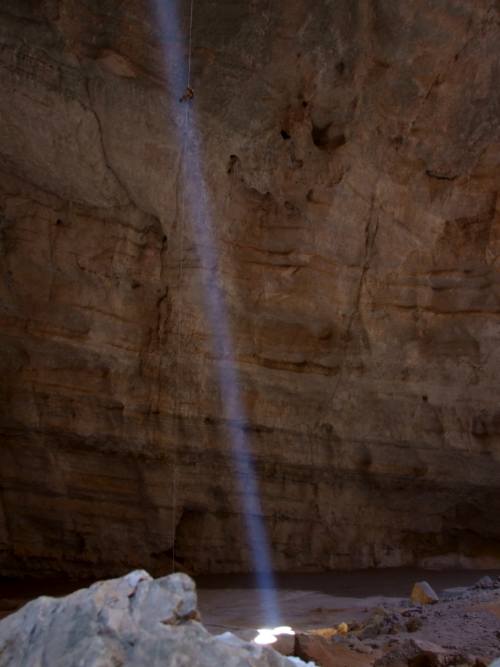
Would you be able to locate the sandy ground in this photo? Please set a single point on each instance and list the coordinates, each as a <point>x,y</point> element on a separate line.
<point>238,610</point>
<point>465,619</point>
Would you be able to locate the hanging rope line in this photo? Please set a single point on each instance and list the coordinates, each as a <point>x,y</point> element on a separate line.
<point>190,42</point>
<point>188,95</point>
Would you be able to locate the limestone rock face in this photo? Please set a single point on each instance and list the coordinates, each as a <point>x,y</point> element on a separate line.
<point>350,153</point>
<point>127,622</point>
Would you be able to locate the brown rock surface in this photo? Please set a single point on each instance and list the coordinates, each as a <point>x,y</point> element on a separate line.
<point>414,651</point>
<point>322,652</point>
<point>351,152</point>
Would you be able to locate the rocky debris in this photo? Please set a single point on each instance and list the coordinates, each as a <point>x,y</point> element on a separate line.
<point>466,624</point>
<point>403,653</point>
<point>455,593</point>
<point>381,622</point>
<point>423,593</point>
<point>328,633</point>
<point>461,629</point>
<point>128,622</point>
<point>342,628</point>
<point>487,583</point>
<point>326,646</point>
<point>332,652</point>
<point>413,624</point>
<point>355,644</point>
<point>395,651</point>
<point>309,646</point>
<point>412,652</point>
<point>463,625</point>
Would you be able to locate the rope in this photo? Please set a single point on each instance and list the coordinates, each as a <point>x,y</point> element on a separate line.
<point>190,43</point>
<point>177,404</point>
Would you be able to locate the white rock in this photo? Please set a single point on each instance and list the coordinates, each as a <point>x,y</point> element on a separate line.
<point>131,622</point>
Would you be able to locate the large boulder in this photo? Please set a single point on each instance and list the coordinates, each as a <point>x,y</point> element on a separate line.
<point>127,622</point>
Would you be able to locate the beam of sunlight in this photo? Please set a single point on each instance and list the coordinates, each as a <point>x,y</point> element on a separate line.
<point>199,216</point>
<point>270,635</point>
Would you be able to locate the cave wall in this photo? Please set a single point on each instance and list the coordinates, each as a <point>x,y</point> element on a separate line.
<point>351,149</point>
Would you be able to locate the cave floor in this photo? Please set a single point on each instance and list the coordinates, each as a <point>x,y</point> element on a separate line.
<point>465,619</point>
<point>312,599</point>
<point>469,621</point>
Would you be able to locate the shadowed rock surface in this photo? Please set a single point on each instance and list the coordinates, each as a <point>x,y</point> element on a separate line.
<point>351,151</point>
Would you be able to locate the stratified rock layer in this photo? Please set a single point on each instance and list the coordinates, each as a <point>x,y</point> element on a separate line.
<point>351,154</point>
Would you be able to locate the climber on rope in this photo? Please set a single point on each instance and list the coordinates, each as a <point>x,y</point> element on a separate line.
<point>188,95</point>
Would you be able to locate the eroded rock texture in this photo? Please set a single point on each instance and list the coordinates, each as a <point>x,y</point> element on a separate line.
<point>351,152</point>
<point>127,622</point>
